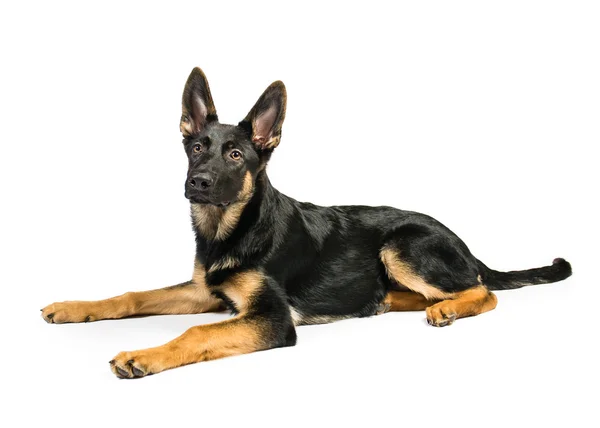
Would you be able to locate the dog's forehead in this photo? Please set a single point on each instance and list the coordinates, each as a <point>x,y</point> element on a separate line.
<point>222,133</point>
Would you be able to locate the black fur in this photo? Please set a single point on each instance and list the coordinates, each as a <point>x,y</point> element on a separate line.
<point>321,261</point>
<point>494,280</point>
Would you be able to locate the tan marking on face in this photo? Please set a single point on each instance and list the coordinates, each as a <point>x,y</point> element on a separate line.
<point>231,215</point>
<point>215,222</point>
<point>400,271</point>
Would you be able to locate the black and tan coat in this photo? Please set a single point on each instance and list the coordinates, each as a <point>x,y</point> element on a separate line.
<point>276,263</point>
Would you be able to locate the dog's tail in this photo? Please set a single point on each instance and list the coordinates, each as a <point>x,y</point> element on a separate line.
<point>494,280</point>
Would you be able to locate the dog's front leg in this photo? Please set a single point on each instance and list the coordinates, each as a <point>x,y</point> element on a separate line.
<point>192,297</point>
<point>264,322</point>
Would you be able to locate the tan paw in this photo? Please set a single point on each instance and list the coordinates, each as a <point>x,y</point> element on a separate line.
<point>129,365</point>
<point>63,312</point>
<point>441,314</point>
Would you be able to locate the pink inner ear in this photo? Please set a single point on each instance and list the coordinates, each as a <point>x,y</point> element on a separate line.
<point>200,112</point>
<point>263,125</point>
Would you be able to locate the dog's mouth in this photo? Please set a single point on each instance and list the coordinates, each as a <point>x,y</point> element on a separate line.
<point>198,200</point>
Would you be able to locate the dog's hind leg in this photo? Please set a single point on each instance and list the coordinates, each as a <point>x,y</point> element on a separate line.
<point>441,271</point>
<point>400,301</point>
<point>467,303</point>
<point>192,297</point>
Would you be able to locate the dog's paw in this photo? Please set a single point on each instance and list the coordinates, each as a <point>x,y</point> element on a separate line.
<point>63,312</point>
<point>441,314</point>
<point>382,308</point>
<point>125,366</point>
<point>130,365</point>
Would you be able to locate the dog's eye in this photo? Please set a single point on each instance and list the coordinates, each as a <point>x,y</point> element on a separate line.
<point>235,155</point>
<point>197,148</point>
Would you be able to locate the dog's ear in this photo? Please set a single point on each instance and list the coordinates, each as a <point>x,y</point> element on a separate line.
<point>266,117</point>
<point>197,105</point>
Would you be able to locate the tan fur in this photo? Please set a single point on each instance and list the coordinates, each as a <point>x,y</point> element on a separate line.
<point>217,223</point>
<point>225,263</point>
<point>473,301</point>
<point>206,218</point>
<point>260,140</point>
<point>403,273</point>
<point>450,306</point>
<point>241,287</point>
<point>296,316</point>
<point>232,214</point>
<point>192,297</point>
<point>264,144</point>
<point>240,335</point>
<point>186,127</point>
<point>199,275</point>
<point>404,301</point>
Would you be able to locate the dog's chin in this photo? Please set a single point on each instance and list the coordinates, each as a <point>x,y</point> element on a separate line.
<point>201,201</point>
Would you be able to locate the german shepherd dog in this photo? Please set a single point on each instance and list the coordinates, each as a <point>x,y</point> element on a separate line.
<point>276,263</point>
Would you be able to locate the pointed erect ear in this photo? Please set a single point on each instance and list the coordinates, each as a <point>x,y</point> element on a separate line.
<point>197,105</point>
<point>266,117</point>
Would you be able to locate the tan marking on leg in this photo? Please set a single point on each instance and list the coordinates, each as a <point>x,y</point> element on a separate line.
<point>401,272</point>
<point>241,288</point>
<point>199,275</point>
<point>397,301</point>
<point>236,336</point>
<point>239,335</point>
<point>452,306</point>
<point>192,297</point>
<point>473,301</point>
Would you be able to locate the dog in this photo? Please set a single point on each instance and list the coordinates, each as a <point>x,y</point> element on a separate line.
<point>277,263</point>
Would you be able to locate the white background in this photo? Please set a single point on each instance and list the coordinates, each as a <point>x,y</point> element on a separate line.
<point>481,114</point>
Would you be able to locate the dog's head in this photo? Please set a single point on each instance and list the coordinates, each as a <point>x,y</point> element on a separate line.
<point>224,160</point>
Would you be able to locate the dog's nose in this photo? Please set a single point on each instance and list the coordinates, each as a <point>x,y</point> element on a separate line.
<point>200,182</point>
